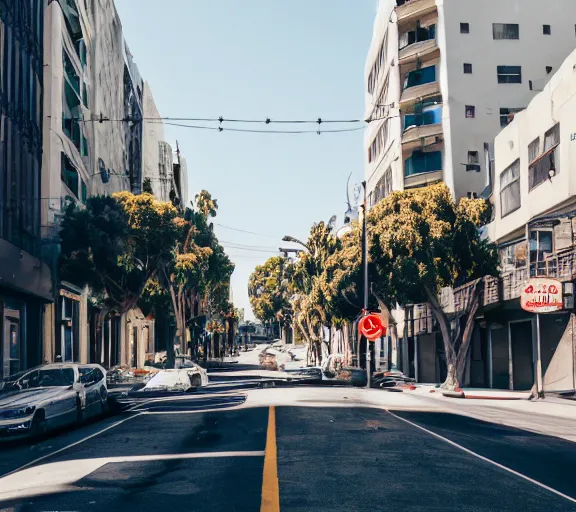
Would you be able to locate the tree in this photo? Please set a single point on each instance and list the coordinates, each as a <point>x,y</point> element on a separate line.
<point>114,245</point>
<point>197,264</point>
<point>312,308</point>
<point>421,241</point>
<point>270,289</point>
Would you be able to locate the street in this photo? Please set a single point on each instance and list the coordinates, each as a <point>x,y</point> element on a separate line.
<point>336,449</point>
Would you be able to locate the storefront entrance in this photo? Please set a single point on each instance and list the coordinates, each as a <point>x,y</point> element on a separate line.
<point>522,355</point>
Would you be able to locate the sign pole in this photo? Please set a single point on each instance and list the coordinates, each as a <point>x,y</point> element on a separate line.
<point>365,280</point>
<point>539,380</point>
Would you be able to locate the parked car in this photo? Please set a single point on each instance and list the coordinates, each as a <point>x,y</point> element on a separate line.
<point>51,396</point>
<point>183,380</point>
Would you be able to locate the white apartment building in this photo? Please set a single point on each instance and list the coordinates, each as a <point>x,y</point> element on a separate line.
<point>534,210</point>
<point>534,190</point>
<point>443,77</point>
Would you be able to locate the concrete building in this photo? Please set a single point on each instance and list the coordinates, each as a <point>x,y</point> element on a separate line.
<point>444,76</point>
<point>25,281</point>
<point>533,194</point>
<point>534,226</point>
<point>92,137</point>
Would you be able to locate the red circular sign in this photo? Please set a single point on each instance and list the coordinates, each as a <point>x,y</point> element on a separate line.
<point>371,327</point>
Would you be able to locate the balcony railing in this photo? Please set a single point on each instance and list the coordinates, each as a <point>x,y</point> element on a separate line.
<point>408,9</point>
<point>559,266</point>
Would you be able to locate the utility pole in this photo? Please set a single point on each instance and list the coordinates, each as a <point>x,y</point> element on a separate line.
<point>365,281</point>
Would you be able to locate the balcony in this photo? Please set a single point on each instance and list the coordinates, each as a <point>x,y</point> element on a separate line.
<point>411,10</point>
<point>423,180</point>
<point>416,133</point>
<point>424,125</point>
<point>418,50</point>
<point>559,266</point>
<point>413,94</point>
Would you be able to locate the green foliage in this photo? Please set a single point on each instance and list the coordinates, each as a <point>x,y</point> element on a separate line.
<point>115,244</point>
<point>422,240</point>
<point>147,186</point>
<point>205,205</point>
<point>269,289</point>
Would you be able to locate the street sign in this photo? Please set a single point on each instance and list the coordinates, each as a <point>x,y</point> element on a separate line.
<point>541,295</point>
<point>371,327</point>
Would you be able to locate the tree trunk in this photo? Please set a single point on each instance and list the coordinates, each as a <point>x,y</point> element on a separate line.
<point>457,342</point>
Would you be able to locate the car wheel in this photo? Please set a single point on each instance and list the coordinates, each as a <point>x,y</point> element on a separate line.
<point>38,426</point>
<point>196,381</point>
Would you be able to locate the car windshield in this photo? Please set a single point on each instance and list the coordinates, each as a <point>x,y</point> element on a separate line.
<point>38,378</point>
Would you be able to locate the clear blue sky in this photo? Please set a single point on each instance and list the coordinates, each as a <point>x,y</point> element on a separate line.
<point>283,59</point>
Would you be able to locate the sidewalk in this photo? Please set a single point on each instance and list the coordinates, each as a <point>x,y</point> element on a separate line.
<point>550,416</point>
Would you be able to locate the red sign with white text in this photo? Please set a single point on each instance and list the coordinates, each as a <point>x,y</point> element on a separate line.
<point>542,295</point>
<point>371,327</point>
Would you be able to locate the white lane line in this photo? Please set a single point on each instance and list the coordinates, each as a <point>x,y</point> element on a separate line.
<point>60,450</point>
<point>59,476</point>
<point>485,459</point>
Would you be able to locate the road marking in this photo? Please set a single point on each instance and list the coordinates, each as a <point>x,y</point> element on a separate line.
<point>485,459</point>
<point>270,491</point>
<point>76,443</point>
<point>61,476</point>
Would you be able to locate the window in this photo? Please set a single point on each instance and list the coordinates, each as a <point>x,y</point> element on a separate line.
<point>467,68</point>
<point>513,256</point>
<point>473,162</point>
<point>378,143</point>
<point>378,65</point>
<point>421,162</point>
<point>545,166</point>
<point>417,35</point>
<point>546,30</point>
<point>464,28</point>
<point>506,30</point>
<point>472,195</point>
<point>510,189</point>
<point>69,175</point>
<point>541,246</point>
<point>470,111</point>
<point>548,70</point>
<point>552,138</point>
<point>384,186</point>
<point>509,74</point>
<point>534,149</point>
<point>420,77</point>
<point>507,115</point>
<point>423,115</point>
<point>541,169</point>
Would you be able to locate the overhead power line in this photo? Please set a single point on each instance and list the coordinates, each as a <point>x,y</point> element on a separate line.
<point>247,130</point>
<point>246,231</point>
<point>220,120</point>
<point>249,246</point>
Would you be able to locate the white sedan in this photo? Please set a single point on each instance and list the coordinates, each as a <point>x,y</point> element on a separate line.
<point>51,396</point>
<point>184,379</point>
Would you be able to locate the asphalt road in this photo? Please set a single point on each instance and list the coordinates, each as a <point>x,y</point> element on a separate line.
<point>215,452</point>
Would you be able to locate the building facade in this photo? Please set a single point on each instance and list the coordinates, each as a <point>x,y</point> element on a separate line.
<point>443,77</point>
<point>25,281</point>
<point>93,145</point>
<point>534,226</point>
<point>533,196</point>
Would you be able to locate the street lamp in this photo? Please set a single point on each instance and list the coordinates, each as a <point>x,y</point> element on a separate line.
<point>289,238</point>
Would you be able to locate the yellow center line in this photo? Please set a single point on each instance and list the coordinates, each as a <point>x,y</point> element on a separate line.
<point>270,490</point>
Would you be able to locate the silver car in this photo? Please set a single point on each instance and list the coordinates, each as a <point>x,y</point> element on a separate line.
<point>51,396</point>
